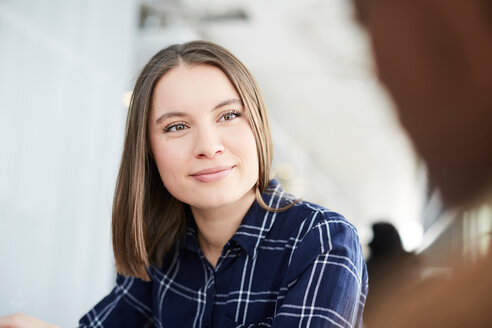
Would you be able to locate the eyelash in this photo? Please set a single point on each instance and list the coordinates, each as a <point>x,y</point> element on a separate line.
<point>168,128</point>
<point>231,112</point>
<point>174,125</point>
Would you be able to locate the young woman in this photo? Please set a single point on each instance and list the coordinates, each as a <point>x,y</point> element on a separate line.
<point>202,237</point>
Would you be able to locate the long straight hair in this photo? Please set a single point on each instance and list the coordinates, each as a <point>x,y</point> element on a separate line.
<point>147,219</point>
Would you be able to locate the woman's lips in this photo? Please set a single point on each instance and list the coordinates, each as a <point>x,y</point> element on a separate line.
<point>212,174</point>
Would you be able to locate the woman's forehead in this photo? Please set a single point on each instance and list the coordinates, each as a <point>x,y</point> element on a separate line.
<point>193,89</point>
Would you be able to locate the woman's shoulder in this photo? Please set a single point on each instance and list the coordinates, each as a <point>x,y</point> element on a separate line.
<point>305,222</point>
<point>319,213</point>
<point>280,200</point>
<point>319,234</point>
<point>304,216</point>
<point>321,223</point>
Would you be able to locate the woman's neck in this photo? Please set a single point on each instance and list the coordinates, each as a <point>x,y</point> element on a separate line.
<point>217,225</point>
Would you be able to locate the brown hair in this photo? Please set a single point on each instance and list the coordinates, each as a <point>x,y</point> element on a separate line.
<point>147,219</point>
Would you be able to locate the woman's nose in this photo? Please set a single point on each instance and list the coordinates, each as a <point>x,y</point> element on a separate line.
<point>208,143</point>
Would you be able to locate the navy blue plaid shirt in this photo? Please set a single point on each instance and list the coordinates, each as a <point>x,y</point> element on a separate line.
<point>302,267</point>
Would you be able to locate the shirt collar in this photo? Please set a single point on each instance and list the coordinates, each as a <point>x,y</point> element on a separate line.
<point>190,239</point>
<point>258,221</point>
<point>255,225</point>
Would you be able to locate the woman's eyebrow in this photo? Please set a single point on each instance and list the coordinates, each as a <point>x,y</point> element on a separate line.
<point>228,102</point>
<point>170,114</point>
<point>164,116</point>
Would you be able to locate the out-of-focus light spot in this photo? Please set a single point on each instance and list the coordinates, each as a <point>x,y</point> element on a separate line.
<point>127,96</point>
<point>412,234</point>
<point>297,187</point>
<point>285,171</point>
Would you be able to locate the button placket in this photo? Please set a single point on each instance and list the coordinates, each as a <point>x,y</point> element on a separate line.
<point>209,301</point>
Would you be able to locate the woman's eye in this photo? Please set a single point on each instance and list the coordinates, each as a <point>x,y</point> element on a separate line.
<point>229,116</point>
<point>175,127</point>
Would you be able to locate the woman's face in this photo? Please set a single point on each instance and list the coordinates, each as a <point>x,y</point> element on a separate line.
<point>201,139</point>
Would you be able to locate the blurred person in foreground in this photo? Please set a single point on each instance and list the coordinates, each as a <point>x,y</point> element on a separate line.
<point>435,58</point>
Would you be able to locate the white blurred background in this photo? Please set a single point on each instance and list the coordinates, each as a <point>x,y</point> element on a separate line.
<point>65,67</point>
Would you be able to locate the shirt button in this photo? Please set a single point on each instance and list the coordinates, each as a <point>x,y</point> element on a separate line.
<point>205,324</point>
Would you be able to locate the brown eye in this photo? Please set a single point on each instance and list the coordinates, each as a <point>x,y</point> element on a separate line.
<point>175,127</point>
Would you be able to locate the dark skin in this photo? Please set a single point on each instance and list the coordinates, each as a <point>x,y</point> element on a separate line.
<point>435,59</point>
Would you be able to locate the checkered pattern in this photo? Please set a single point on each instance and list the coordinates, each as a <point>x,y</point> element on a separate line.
<point>299,268</point>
